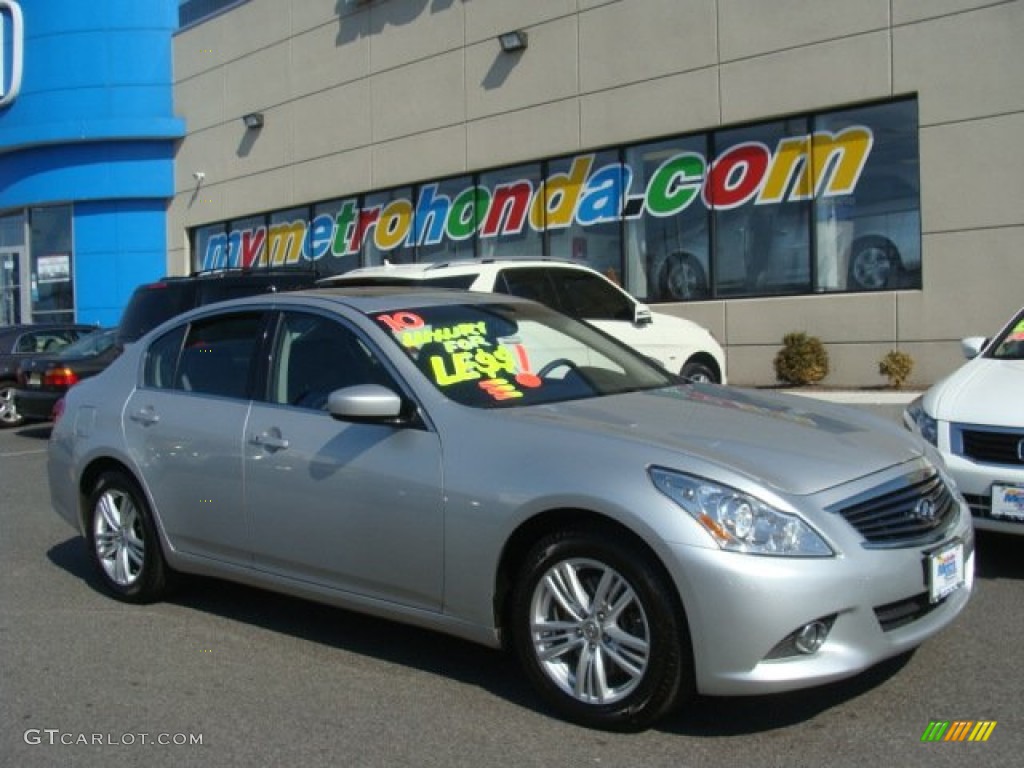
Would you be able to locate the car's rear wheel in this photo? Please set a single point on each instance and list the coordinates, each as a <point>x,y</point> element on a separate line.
<point>123,541</point>
<point>9,416</point>
<point>598,632</point>
<point>698,372</point>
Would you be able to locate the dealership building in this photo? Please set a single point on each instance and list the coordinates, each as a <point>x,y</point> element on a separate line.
<point>851,170</point>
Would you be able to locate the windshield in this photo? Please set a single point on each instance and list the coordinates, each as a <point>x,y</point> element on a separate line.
<point>95,343</point>
<point>508,355</point>
<point>1010,346</point>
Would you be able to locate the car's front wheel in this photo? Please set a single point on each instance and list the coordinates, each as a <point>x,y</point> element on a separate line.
<point>598,631</point>
<point>123,541</point>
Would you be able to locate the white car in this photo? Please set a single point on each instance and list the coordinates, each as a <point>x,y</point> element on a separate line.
<point>976,419</point>
<point>679,345</point>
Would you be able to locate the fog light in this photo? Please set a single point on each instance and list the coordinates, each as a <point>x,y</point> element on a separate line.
<point>804,640</point>
<point>810,638</point>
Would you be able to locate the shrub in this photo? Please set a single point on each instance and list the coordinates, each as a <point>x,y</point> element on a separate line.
<point>802,360</point>
<point>896,366</point>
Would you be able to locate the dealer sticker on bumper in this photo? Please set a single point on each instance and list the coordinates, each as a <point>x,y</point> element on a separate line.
<point>1008,502</point>
<point>945,571</point>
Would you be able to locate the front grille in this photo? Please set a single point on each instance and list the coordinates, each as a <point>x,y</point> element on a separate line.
<point>992,446</point>
<point>981,506</point>
<point>895,615</point>
<point>911,513</point>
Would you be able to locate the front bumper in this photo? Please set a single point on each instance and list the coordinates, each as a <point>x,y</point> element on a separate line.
<point>741,607</point>
<point>975,480</point>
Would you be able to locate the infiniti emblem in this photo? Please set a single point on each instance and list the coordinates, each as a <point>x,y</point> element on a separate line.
<point>1020,450</point>
<point>924,510</point>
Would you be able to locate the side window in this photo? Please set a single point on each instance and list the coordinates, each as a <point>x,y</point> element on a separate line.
<point>462,282</point>
<point>45,341</point>
<point>591,297</point>
<point>529,284</point>
<point>217,355</point>
<point>26,343</point>
<point>162,359</point>
<point>316,355</point>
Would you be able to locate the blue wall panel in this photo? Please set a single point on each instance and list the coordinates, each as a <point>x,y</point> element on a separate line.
<point>118,245</point>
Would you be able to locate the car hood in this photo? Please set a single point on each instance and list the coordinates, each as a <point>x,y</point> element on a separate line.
<point>797,445</point>
<point>984,391</point>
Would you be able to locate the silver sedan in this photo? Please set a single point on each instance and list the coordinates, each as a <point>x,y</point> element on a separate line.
<point>483,466</point>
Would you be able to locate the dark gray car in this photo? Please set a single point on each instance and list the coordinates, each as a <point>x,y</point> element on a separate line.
<point>17,343</point>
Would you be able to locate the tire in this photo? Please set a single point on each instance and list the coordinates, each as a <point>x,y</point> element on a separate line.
<point>698,372</point>
<point>123,542</point>
<point>874,264</point>
<point>683,278</point>
<point>635,657</point>
<point>9,416</point>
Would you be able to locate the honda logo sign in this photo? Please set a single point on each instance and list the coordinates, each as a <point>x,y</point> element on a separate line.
<point>12,38</point>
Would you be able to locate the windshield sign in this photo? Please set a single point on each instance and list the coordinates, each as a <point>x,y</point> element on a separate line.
<point>500,355</point>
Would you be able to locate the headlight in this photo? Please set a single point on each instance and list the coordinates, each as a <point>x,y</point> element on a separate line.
<point>739,522</point>
<point>927,427</point>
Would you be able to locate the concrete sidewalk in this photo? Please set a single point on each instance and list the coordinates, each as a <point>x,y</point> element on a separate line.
<point>859,396</point>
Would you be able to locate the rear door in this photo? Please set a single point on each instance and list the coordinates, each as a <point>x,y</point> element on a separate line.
<point>184,428</point>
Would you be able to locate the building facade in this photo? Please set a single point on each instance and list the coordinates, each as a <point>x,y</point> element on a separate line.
<point>851,170</point>
<point>87,138</point>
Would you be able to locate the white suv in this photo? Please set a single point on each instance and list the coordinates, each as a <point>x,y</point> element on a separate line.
<point>679,345</point>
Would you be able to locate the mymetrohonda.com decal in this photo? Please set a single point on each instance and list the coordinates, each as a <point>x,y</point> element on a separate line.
<point>817,165</point>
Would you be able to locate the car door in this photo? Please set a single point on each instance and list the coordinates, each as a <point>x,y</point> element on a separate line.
<point>184,427</point>
<point>350,506</point>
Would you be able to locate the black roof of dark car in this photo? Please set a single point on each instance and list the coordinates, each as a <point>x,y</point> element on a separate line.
<point>153,303</point>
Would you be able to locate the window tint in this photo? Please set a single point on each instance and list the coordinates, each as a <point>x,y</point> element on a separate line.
<point>461,282</point>
<point>529,284</point>
<point>316,355</point>
<point>162,359</point>
<point>588,296</point>
<point>46,341</point>
<point>151,304</point>
<point>217,356</point>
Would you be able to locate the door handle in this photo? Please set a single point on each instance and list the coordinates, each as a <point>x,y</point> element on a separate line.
<point>145,416</point>
<point>270,441</point>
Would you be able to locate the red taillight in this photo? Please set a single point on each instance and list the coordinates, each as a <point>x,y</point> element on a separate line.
<point>60,377</point>
<point>57,412</point>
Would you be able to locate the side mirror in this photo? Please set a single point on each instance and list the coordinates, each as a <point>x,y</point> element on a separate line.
<point>642,315</point>
<point>972,346</point>
<point>366,403</point>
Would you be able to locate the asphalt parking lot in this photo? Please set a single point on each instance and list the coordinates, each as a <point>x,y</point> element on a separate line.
<point>224,675</point>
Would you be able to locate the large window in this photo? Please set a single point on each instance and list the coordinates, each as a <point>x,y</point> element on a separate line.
<point>874,233</point>
<point>761,246</point>
<point>53,300</point>
<point>505,199</point>
<point>194,11</point>
<point>444,225</point>
<point>816,203</point>
<point>584,216</point>
<point>668,249</point>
